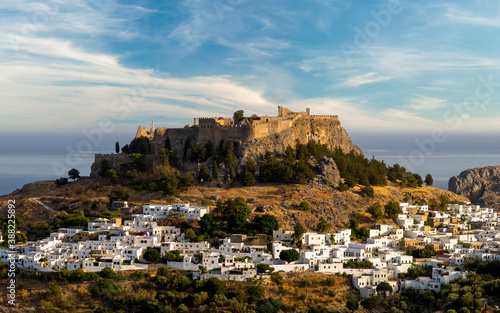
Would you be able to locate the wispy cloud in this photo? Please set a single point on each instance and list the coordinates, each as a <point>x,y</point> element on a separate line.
<point>420,102</point>
<point>213,57</point>
<point>458,15</point>
<point>368,78</point>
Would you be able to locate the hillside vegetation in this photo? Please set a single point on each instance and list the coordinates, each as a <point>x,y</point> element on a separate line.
<point>163,290</point>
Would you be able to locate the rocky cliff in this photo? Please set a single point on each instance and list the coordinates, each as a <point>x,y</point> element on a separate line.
<point>481,185</point>
<point>325,131</point>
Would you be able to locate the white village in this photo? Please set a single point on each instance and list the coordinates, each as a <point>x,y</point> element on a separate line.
<point>460,232</point>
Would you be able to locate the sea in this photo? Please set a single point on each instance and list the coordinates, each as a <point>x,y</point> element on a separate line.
<point>30,157</point>
<point>441,155</point>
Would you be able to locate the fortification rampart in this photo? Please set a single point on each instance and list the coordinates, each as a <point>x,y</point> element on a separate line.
<point>334,117</point>
<point>216,128</point>
<point>252,135</point>
<point>115,160</point>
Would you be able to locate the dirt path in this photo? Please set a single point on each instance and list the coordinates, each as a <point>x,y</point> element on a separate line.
<point>37,200</point>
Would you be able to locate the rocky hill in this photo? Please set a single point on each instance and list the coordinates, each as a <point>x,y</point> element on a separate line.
<point>480,185</point>
<point>42,201</point>
<point>323,130</point>
<point>251,137</point>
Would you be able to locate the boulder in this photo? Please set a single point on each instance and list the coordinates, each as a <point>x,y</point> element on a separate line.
<point>327,172</point>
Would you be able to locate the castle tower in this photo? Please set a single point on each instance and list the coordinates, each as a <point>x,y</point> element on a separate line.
<point>152,126</point>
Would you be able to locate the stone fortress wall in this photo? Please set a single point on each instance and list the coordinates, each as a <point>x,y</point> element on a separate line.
<point>216,128</point>
<point>252,135</point>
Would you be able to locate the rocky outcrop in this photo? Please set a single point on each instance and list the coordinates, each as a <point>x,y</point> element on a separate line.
<point>480,185</point>
<point>325,131</point>
<point>327,172</point>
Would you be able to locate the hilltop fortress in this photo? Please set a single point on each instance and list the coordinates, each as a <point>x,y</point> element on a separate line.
<point>251,136</point>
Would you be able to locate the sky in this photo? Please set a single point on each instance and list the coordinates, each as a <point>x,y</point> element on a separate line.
<point>382,66</point>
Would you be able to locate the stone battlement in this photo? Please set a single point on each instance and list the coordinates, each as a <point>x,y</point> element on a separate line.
<point>251,136</point>
<point>244,131</point>
<point>327,116</point>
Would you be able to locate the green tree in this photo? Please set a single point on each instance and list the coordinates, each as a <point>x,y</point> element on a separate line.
<point>350,182</point>
<point>174,256</point>
<point>302,172</point>
<point>119,193</point>
<point>117,147</point>
<point>138,162</point>
<point>289,255</point>
<point>203,173</point>
<point>263,267</point>
<point>396,172</point>
<point>383,287</point>
<point>368,191</point>
<point>21,237</point>
<point>190,234</point>
<point>419,180</point>
<point>61,181</point>
<point>112,175</point>
<point>138,145</point>
<point>248,173</point>
<point>265,224</point>
<point>298,231</point>
<point>376,211</point>
<point>429,180</point>
<point>207,224</point>
<point>371,303</point>
<point>352,304</point>
<point>74,174</point>
<point>106,289</point>
<point>392,209</point>
<point>104,168</point>
<point>163,271</point>
<point>215,286</point>
<point>237,223</point>
<point>108,272</point>
<point>152,255</point>
<point>238,115</point>
<point>257,292</point>
<point>215,170</point>
<point>323,226</point>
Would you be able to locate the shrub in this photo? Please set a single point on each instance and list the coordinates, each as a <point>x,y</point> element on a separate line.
<point>53,292</point>
<point>342,187</point>
<point>262,268</point>
<point>368,191</point>
<point>61,181</point>
<point>277,278</point>
<point>352,304</point>
<point>108,272</point>
<point>257,292</point>
<point>305,205</point>
<point>106,289</point>
<point>152,255</point>
<point>376,211</point>
<point>330,281</point>
<point>206,202</point>
<point>289,255</point>
<point>323,225</point>
<point>215,285</point>
<point>305,282</point>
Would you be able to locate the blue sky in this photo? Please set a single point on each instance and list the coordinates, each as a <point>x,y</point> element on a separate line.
<point>382,66</point>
